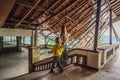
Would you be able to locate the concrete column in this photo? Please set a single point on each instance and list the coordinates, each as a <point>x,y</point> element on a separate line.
<point>36,37</point>
<point>32,38</point>
<point>19,43</point>
<point>30,60</point>
<point>1,43</point>
<point>97,25</point>
<point>34,50</point>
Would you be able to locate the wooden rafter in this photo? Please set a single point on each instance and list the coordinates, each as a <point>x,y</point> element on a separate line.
<point>88,20</point>
<point>89,42</point>
<point>117,10</point>
<point>46,11</point>
<point>57,14</point>
<point>30,5</point>
<point>87,32</point>
<point>103,11</point>
<point>115,4</point>
<point>27,14</point>
<point>87,16</point>
<point>49,18</point>
<point>80,21</point>
<point>84,18</point>
<point>86,44</point>
<point>101,32</point>
<point>78,7</point>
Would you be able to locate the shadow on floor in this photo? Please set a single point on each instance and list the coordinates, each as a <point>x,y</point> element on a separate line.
<point>70,73</point>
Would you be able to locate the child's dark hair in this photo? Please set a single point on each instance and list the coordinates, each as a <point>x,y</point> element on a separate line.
<point>57,39</point>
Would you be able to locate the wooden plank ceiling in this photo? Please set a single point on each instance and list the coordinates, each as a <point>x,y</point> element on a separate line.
<point>77,15</point>
<point>115,5</point>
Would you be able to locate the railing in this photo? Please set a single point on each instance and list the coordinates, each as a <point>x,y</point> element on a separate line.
<point>116,47</point>
<point>109,53</point>
<point>46,64</point>
<point>112,50</point>
<point>80,57</point>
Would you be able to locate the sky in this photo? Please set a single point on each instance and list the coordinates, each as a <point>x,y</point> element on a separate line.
<point>116,25</point>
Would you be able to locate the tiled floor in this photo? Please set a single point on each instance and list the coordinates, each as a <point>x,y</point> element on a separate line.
<point>17,65</point>
<point>13,64</point>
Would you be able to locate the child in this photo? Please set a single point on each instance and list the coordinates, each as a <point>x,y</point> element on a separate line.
<point>57,51</point>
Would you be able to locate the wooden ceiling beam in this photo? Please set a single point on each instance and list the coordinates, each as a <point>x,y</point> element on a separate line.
<point>89,8</point>
<point>114,4</point>
<point>89,45</point>
<point>90,40</point>
<point>103,31</point>
<point>101,14</point>
<point>46,11</point>
<point>91,24</point>
<point>116,7</point>
<point>15,21</point>
<point>80,14</point>
<point>84,18</point>
<point>87,42</point>
<point>30,5</point>
<point>83,36</point>
<point>87,21</point>
<point>49,17</point>
<point>57,14</point>
<point>35,5</point>
<point>78,7</point>
<point>24,3</point>
<point>112,1</point>
<point>12,24</point>
<point>105,23</point>
<point>81,32</point>
<point>117,10</point>
<point>100,33</point>
<point>5,7</point>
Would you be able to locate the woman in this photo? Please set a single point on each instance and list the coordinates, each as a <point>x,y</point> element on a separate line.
<point>57,51</point>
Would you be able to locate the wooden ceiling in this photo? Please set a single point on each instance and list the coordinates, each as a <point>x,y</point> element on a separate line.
<point>77,15</point>
<point>115,5</point>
